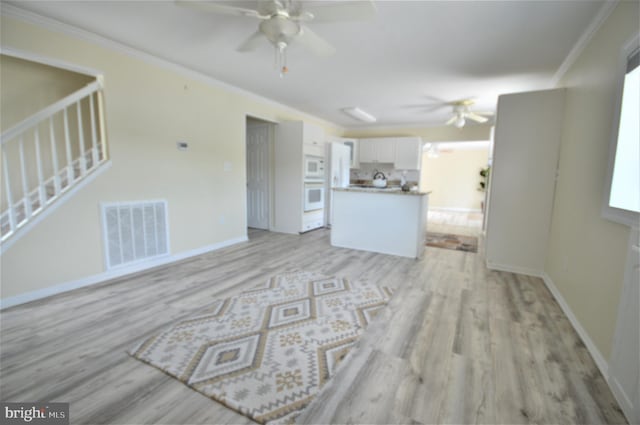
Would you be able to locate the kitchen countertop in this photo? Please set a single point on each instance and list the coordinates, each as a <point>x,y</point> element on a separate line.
<point>387,190</point>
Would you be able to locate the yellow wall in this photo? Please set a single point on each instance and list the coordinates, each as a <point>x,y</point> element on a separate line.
<point>443,133</point>
<point>453,178</point>
<point>27,87</point>
<point>586,253</point>
<point>148,109</point>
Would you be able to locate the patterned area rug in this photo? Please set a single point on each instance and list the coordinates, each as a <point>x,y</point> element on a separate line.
<point>267,352</point>
<point>450,241</point>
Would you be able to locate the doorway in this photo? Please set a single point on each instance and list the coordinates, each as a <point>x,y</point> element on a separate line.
<point>457,172</point>
<point>259,140</point>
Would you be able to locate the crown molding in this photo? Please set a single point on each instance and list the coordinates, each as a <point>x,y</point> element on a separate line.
<point>33,57</point>
<point>602,15</point>
<point>409,126</point>
<point>14,12</point>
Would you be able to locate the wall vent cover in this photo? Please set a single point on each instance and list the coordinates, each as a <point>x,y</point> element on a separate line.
<point>134,231</point>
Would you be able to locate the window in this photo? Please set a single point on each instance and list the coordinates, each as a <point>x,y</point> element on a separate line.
<point>622,198</point>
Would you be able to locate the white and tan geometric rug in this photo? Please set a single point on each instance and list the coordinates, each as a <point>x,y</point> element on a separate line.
<point>267,352</point>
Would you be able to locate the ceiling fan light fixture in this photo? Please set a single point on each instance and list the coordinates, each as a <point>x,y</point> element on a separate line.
<point>359,114</point>
<point>459,122</point>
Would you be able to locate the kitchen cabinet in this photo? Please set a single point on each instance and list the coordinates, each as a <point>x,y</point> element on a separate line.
<point>294,140</point>
<point>381,221</point>
<point>312,220</point>
<point>313,139</point>
<point>408,153</point>
<point>404,152</point>
<point>381,149</point>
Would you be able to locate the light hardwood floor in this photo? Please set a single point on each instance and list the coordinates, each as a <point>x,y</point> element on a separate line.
<point>457,343</point>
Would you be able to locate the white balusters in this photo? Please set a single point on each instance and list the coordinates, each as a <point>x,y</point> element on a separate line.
<point>26,201</point>
<point>83,159</point>
<point>54,158</point>
<point>94,142</point>
<point>41,190</point>
<point>67,144</point>
<point>103,134</point>
<point>24,147</point>
<point>7,188</point>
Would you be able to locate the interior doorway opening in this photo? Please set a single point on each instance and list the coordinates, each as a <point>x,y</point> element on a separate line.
<point>457,174</point>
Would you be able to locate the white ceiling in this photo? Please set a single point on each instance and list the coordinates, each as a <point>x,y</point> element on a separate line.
<point>412,55</point>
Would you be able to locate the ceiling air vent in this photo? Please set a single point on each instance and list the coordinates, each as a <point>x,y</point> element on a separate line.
<point>134,231</point>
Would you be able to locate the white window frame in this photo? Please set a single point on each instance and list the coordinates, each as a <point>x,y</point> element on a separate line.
<point>628,218</point>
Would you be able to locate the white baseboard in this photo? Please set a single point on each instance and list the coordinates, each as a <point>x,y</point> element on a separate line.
<point>621,397</point>
<point>514,269</point>
<point>602,364</point>
<point>455,209</point>
<point>114,273</point>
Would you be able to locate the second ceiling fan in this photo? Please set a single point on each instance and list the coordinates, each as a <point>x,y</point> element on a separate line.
<point>282,22</point>
<point>462,112</point>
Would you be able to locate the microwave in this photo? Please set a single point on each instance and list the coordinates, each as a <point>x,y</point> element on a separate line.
<point>313,167</point>
<point>313,196</point>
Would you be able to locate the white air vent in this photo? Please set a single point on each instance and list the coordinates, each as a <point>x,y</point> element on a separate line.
<point>134,231</point>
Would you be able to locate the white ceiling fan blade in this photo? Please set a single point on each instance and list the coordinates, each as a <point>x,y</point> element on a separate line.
<point>433,107</point>
<point>213,7</point>
<point>452,120</point>
<point>354,10</point>
<point>475,117</point>
<point>303,16</point>
<point>314,43</point>
<point>252,42</point>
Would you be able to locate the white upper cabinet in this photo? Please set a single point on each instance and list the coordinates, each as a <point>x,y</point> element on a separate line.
<point>408,153</point>
<point>367,151</point>
<point>386,149</point>
<point>313,139</point>
<point>377,150</point>
<point>404,152</point>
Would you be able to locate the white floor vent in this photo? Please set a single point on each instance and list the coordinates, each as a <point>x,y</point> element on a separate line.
<point>134,231</point>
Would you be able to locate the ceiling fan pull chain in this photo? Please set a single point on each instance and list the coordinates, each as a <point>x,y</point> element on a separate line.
<point>284,69</point>
<point>281,58</point>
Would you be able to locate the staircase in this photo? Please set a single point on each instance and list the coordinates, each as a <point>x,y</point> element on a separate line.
<point>47,155</point>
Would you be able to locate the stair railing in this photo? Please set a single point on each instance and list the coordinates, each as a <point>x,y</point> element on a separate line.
<point>43,156</point>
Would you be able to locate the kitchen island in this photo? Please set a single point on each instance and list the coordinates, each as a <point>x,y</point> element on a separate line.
<point>387,221</point>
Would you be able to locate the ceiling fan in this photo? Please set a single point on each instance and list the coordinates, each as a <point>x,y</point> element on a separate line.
<point>282,21</point>
<point>462,112</point>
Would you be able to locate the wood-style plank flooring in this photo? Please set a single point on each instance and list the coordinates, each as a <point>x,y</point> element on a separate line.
<point>457,344</point>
